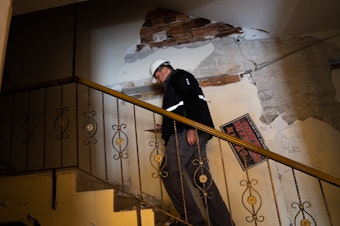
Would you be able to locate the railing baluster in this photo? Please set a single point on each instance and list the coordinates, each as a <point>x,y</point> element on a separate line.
<point>274,193</point>
<point>181,179</point>
<point>225,179</point>
<point>10,163</point>
<point>44,126</point>
<point>77,126</point>
<point>137,151</point>
<point>326,203</point>
<point>92,145</point>
<point>28,128</point>
<point>301,206</point>
<point>104,135</point>
<point>62,124</point>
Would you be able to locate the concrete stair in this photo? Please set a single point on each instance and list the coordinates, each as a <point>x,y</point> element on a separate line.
<point>76,202</point>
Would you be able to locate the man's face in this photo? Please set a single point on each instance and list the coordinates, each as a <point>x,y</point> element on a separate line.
<point>161,74</point>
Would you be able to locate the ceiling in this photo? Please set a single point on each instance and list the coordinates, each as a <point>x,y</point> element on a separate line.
<point>277,17</point>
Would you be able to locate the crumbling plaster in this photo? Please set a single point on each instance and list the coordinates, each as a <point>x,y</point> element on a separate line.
<point>297,107</point>
<point>292,75</point>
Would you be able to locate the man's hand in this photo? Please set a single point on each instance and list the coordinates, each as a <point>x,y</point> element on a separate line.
<point>192,136</point>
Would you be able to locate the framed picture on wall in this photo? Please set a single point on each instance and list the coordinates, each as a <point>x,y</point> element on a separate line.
<point>244,128</point>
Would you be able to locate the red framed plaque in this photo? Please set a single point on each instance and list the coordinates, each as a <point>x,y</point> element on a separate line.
<point>244,128</point>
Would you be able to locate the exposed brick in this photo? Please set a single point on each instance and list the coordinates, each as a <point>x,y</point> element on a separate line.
<point>219,80</point>
<point>183,38</point>
<point>158,22</point>
<point>200,22</point>
<point>204,31</point>
<point>176,28</point>
<point>159,44</point>
<point>188,24</point>
<point>181,16</point>
<point>152,30</point>
<point>180,28</point>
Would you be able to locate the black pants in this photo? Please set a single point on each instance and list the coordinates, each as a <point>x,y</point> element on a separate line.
<point>190,159</point>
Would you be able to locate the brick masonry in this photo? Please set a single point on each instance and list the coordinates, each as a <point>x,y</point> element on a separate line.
<point>163,27</point>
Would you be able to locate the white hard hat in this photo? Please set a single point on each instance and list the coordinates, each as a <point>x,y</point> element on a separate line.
<point>155,65</point>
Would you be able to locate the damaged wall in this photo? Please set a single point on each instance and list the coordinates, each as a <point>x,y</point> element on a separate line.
<point>286,86</point>
<point>163,28</point>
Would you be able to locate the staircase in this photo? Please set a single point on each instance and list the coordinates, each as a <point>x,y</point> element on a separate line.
<point>32,195</point>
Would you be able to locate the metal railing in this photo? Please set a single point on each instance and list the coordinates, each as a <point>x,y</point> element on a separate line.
<point>77,123</point>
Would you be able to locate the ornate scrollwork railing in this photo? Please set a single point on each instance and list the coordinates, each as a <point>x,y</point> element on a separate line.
<point>94,134</point>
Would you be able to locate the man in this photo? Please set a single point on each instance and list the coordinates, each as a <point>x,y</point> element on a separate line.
<point>184,96</point>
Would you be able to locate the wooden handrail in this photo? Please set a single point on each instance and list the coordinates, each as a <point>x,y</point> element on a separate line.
<point>271,155</point>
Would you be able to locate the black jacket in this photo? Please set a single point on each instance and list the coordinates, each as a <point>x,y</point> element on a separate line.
<point>183,96</point>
